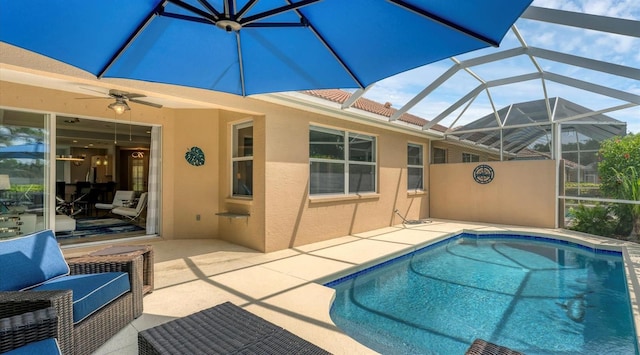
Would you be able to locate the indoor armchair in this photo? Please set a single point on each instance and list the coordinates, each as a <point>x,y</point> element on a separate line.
<point>119,199</point>
<point>132,213</point>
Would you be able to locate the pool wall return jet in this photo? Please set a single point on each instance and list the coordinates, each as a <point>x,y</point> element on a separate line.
<point>411,221</point>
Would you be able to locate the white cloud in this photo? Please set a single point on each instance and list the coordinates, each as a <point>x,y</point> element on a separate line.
<point>629,9</point>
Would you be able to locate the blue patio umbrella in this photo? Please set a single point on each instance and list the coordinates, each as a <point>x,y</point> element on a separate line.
<point>23,151</point>
<point>248,47</point>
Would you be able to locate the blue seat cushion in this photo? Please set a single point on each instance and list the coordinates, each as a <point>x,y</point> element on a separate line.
<point>29,261</point>
<point>43,347</point>
<point>90,291</point>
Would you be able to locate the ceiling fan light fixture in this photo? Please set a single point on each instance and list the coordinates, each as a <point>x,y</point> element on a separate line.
<point>119,107</point>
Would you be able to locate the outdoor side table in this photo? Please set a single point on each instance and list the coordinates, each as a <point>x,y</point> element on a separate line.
<point>134,250</point>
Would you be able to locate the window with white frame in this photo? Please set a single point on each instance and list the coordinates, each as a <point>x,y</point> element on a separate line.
<point>470,158</point>
<point>341,162</point>
<point>242,159</point>
<point>415,167</point>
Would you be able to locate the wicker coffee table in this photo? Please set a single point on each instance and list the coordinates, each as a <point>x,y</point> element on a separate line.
<point>223,329</point>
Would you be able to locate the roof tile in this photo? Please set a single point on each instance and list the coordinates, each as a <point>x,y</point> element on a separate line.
<point>341,96</point>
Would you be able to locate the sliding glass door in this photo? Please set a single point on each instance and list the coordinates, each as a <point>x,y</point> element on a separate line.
<point>24,171</point>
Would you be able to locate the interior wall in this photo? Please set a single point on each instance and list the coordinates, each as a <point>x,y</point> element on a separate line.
<point>293,218</point>
<point>521,193</point>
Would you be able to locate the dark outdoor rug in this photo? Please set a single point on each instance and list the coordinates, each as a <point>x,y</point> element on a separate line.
<point>92,227</point>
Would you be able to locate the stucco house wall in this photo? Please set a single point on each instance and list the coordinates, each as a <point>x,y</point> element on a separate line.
<point>281,214</point>
<point>521,193</point>
<point>294,218</point>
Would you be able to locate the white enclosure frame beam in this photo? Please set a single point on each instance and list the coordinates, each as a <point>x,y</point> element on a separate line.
<point>591,22</point>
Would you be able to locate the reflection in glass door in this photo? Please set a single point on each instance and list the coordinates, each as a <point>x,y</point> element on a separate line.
<point>24,169</point>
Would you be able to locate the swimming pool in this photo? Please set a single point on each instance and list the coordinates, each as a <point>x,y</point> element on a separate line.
<point>536,295</point>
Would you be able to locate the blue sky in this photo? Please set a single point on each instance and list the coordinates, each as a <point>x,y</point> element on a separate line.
<point>623,50</point>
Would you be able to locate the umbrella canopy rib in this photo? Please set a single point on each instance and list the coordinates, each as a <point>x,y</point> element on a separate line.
<point>246,8</point>
<point>445,22</point>
<point>333,52</point>
<point>132,38</point>
<point>227,7</point>
<point>335,55</point>
<point>210,8</point>
<point>195,10</point>
<point>214,17</point>
<point>206,21</point>
<point>275,12</point>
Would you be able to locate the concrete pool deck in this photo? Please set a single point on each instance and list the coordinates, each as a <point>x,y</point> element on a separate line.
<point>284,287</point>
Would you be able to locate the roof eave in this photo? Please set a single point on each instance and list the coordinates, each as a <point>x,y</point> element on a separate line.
<point>325,107</point>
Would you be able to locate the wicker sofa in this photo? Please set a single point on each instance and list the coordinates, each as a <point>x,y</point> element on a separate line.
<point>30,333</point>
<point>88,313</point>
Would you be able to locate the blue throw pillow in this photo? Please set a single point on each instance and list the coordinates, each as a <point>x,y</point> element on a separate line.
<point>29,261</point>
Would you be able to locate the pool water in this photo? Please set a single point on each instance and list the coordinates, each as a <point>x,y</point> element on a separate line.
<point>537,297</point>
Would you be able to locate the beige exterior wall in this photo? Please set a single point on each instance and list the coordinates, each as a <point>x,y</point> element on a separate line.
<point>293,218</point>
<point>195,190</point>
<point>282,215</point>
<point>186,190</point>
<point>249,231</point>
<point>521,193</point>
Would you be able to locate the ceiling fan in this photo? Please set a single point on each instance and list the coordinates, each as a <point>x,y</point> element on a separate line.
<point>121,97</point>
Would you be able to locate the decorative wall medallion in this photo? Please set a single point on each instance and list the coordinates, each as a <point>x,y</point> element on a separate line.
<point>483,174</point>
<point>195,156</point>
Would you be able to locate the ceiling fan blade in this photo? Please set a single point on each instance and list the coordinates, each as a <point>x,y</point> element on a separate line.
<point>93,98</point>
<point>134,96</point>
<point>146,103</point>
<point>118,94</point>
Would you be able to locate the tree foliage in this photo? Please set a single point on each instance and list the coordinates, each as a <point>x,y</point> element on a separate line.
<point>630,188</point>
<point>617,155</point>
<point>619,159</point>
<point>10,135</point>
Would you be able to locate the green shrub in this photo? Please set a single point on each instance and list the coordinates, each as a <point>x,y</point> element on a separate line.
<point>597,220</point>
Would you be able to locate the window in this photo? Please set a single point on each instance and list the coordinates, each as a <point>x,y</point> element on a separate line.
<point>242,159</point>
<point>415,167</point>
<point>439,156</point>
<point>470,158</point>
<point>138,175</point>
<point>341,162</point>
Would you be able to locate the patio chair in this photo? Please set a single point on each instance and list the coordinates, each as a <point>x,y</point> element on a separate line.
<point>132,213</point>
<point>119,200</point>
<point>30,332</point>
<point>94,297</point>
